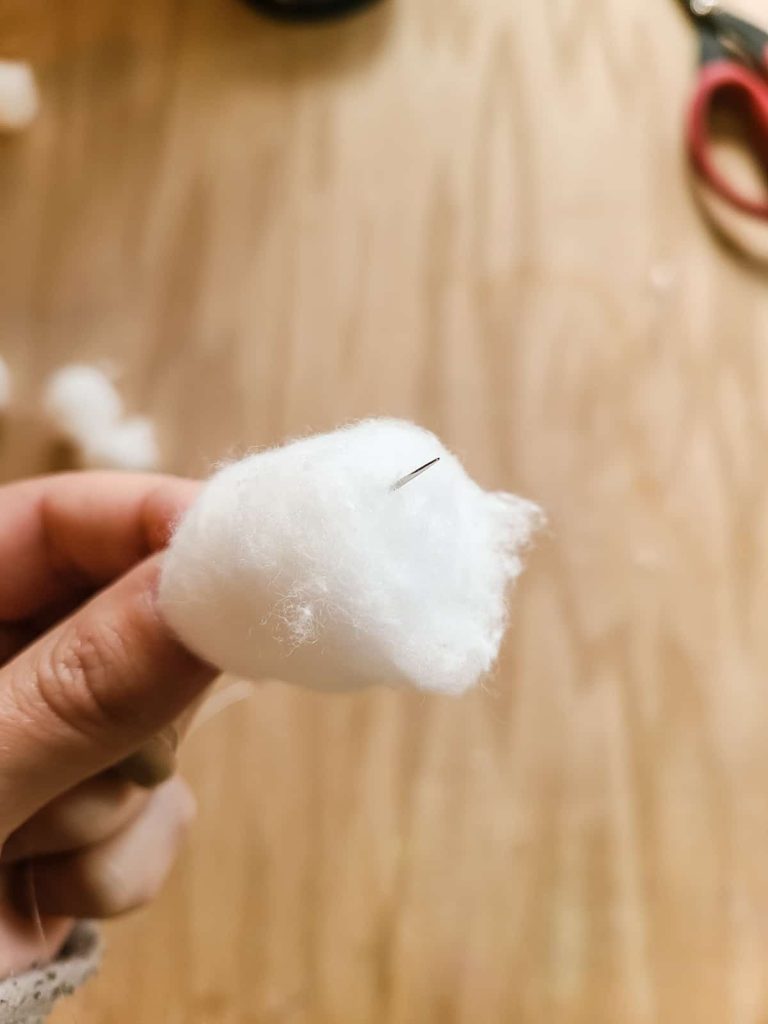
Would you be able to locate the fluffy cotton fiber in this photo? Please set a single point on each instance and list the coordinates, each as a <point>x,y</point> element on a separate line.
<point>303,564</point>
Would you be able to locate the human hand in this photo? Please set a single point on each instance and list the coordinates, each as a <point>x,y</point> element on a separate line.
<point>88,674</point>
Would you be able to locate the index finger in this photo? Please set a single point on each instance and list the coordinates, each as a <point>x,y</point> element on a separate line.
<point>71,534</point>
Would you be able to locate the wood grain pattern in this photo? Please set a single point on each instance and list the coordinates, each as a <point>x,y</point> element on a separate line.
<point>474,213</point>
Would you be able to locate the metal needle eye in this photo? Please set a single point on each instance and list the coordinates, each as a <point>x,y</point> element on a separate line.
<point>412,476</point>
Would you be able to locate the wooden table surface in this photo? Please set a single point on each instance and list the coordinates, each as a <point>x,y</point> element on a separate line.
<point>474,213</point>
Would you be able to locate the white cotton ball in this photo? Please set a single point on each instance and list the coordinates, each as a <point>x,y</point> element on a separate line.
<point>5,385</point>
<point>302,564</point>
<point>81,402</point>
<point>84,407</point>
<point>130,444</point>
<point>18,95</point>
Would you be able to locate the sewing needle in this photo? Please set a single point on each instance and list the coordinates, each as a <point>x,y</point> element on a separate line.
<point>412,476</point>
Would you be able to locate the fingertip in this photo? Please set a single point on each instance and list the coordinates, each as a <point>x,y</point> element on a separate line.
<point>164,507</point>
<point>92,692</point>
<point>154,763</point>
<point>76,532</point>
<point>125,872</point>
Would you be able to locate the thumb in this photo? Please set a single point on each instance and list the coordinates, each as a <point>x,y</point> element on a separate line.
<point>88,693</point>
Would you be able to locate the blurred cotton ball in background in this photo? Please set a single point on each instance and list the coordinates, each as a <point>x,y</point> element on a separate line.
<point>83,407</point>
<point>130,445</point>
<point>79,401</point>
<point>19,102</point>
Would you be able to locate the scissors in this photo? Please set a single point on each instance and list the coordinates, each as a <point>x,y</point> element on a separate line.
<point>734,69</point>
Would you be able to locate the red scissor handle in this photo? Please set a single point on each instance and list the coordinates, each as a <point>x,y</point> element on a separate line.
<point>727,79</point>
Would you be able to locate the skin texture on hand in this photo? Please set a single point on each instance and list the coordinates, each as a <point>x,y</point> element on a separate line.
<point>88,674</point>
